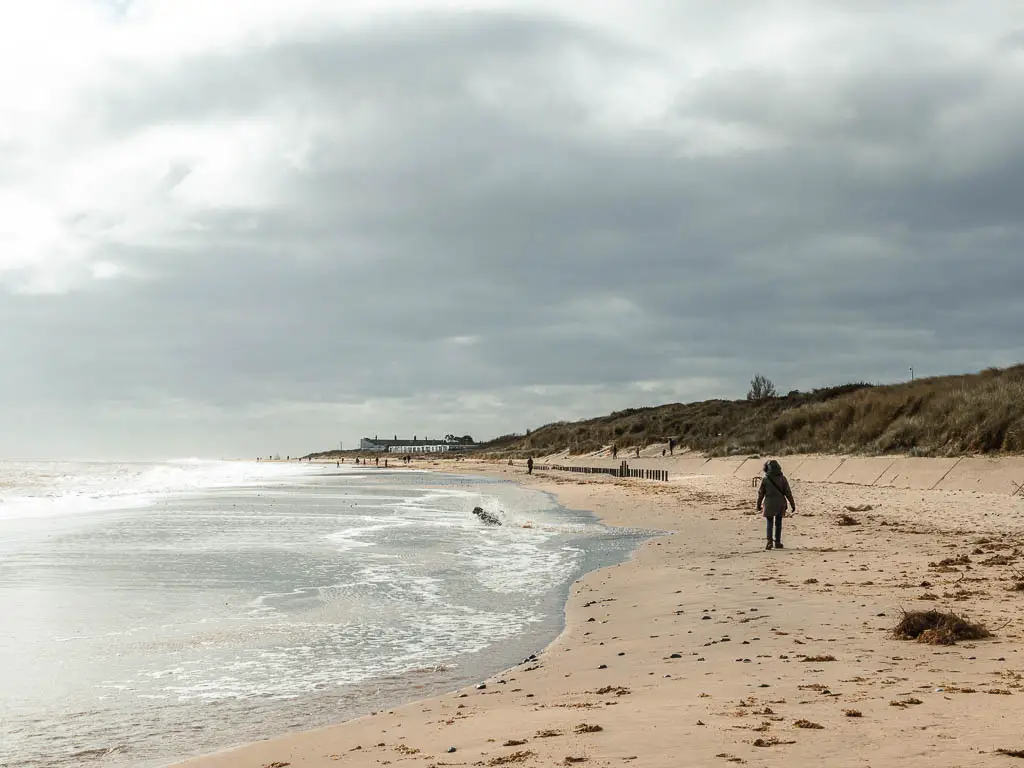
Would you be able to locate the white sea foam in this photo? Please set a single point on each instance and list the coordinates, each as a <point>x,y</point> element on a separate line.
<point>366,532</point>
<point>331,656</point>
<point>36,489</point>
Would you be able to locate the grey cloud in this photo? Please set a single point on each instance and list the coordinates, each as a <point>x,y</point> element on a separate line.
<point>585,260</point>
<point>408,62</point>
<point>1013,40</point>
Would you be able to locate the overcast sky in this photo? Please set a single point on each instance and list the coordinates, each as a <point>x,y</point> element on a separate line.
<point>234,227</point>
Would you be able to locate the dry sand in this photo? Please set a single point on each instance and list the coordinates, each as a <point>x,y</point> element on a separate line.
<point>706,650</point>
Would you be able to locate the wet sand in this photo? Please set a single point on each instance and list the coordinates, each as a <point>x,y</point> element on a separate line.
<point>705,649</point>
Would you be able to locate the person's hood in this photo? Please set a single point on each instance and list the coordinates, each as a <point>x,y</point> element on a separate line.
<point>772,468</point>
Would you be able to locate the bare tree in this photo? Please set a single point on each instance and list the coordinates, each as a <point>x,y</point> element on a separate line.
<point>761,388</point>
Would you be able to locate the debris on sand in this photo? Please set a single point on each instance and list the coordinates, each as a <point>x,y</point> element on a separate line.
<point>951,561</point>
<point>772,742</point>
<point>803,723</point>
<point>937,628</point>
<point>853,713</point>
<point>1018,580</point>
<point>585,728</point>
<point>845,519</point>
<point>1011,752</point>
<point>904,703</point>
<point>516,757</point>
<point>860,508</point>
<point>618,690</point>
<point>999,560</point>
<point>824,690</point>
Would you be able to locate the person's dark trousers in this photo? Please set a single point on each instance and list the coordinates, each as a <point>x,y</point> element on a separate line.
<point>774,521</point>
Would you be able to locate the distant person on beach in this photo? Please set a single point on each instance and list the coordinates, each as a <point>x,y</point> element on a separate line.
<point>529,466</point>
<point>771,501</point>
<point>638,451</point>
<point>615,451</point>
<point>671,446</point>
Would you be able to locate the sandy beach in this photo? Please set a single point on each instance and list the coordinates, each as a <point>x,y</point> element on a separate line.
<point>705,649</point>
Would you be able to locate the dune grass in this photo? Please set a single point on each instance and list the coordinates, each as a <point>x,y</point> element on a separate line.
<point>943,416</point>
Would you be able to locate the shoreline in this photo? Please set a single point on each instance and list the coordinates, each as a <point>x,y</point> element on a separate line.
<point>705,646</point>
<point>600,550</point>
<point>234,755</point>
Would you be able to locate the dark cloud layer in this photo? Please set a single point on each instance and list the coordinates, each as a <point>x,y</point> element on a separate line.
<point>478,222</point>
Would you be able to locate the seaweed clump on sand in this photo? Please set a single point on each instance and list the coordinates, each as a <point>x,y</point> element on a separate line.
<point>937,628</point>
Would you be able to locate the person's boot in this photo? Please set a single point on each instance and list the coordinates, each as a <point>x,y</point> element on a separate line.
<point>778,545</point>
<point>769,544</point>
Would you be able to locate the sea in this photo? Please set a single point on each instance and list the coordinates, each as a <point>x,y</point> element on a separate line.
<point>151,612</point>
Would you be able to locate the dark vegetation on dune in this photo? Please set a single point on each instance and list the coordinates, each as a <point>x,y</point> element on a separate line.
<point>941,416</point>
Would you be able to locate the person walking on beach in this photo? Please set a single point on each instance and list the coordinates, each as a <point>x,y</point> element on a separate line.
<point>529,466</point>
<point>771,501</point>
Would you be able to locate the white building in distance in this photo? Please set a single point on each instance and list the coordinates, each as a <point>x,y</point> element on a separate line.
<point>402,445</point>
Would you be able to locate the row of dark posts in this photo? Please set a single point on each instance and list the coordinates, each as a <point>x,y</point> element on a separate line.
<point>623,470</point>
<point>647,474</point>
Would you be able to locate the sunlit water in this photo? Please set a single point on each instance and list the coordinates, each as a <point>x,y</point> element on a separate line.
<point>151,612</point>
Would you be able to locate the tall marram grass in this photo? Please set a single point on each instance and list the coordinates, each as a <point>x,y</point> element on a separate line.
<point>951,415</point>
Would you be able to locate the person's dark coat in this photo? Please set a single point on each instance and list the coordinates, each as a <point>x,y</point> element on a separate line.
<point>774,491</point>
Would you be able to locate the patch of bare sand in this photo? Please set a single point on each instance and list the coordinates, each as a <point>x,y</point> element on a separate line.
<point>724,645</point>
